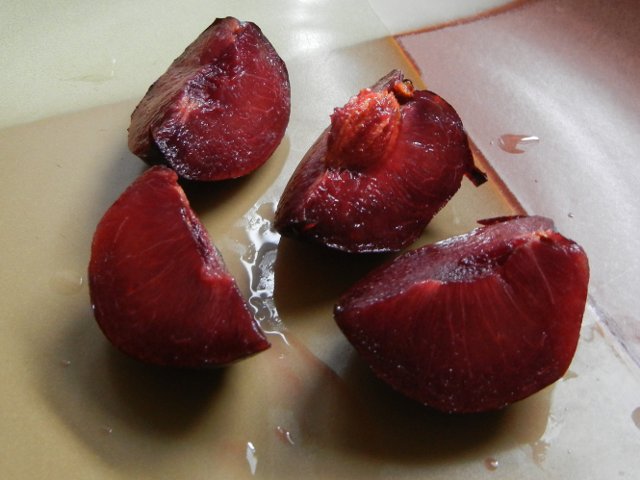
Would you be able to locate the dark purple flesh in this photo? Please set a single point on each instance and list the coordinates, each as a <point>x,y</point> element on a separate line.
<point>391,159</point>
<point>159,289</point>
<point>475,322</point>
<point>221,108</point>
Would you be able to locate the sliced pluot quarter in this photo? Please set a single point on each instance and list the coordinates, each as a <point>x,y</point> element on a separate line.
<point>159,288</point>
<point>475,322</point>
<point>221,108</point>
<point>390,160</point>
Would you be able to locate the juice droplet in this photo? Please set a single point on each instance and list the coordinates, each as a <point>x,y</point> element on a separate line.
<point>539,451</point>
<point>570,215</point>
<point>252,459</point>
<point>106,429</point>
<point>635,416</point>
<point>259,261</point>
<point>592,333</point>
<point>284,435</point>
<point>491,463</point>
<point>65,363</point>
<point>511,143</point>
<point>66,282</point>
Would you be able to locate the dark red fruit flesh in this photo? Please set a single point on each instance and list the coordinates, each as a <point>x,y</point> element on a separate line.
<point>221,108</point>
<point>475,322</point>
<point>391,159</point>
<point>159,289</point>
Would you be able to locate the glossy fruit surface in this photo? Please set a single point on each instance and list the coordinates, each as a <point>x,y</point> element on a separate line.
<point>159,288</point>
<point>475,322</point>
<point>221,108</point>
<point>391,159</point>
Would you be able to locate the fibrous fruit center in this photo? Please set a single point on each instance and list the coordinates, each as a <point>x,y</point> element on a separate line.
<point>363,131</point>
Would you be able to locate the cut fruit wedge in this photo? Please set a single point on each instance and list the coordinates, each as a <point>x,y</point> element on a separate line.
<point>159,288</point>
<point>475,322</point>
